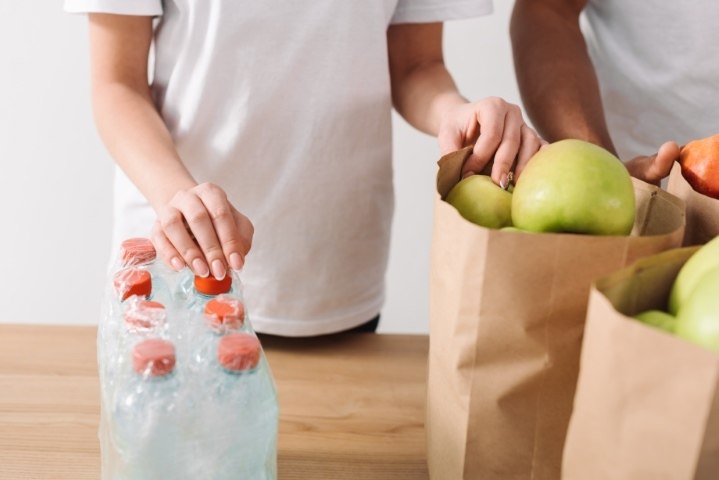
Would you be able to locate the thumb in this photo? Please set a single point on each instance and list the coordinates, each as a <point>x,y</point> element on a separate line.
<point>662,164</point>
<point>450,140</point>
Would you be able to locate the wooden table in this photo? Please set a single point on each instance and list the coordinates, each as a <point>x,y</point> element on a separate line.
<point>352,406</point>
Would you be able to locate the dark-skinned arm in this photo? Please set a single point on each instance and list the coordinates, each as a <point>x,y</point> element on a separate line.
<point>558,83</point>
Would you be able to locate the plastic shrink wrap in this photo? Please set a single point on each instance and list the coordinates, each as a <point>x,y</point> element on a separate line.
<point>186,391</point>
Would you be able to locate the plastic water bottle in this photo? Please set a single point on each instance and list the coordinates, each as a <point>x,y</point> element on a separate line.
<point>186,390</point>
<point>128,285</point>
<point>139,253</point>
<point>243,409</point>
<point>141,319</point>
<point>144,316</point>
<point>196,291</point>
<point>222,314</point>
<point>145,430</point>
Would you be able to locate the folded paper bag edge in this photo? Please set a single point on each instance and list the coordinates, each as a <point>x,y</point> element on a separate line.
<point>450,170</point>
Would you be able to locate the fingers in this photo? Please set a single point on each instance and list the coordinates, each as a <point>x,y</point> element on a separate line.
<point>458,130</point>
<point>664,161</point>
<point>165,249</point>
<point>499,133</point>
<point>509,147</point>
<point>450,139</point>
<point>246,232</point>
<point>230,228</point>
<point>183,215</point>
<point>652,169</point>
<point>490,115</point>
<point>531,144</point>
<point>200,228</point>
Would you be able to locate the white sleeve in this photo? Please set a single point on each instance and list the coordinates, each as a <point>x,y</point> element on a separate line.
<point>426,11</point>
<point>120,7</point>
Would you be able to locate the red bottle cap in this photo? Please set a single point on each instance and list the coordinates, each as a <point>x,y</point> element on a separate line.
<point>154,357</point>
<point>132,281</point>
<point>137,251</point>
<point>145,314</point>
<point>209,285</point>
<point>225,312</point>
<point>238,351</point>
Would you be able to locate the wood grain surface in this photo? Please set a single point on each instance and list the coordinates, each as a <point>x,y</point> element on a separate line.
<point>351,406</point>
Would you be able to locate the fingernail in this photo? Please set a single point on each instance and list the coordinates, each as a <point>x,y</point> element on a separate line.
<point>504,181</point>
<point>235,261</point>
<point>218,269</point>
<point>200,267</point>
<point>177,264</point>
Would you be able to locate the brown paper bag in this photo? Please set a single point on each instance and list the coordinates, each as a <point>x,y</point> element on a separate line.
<point>507,312</point>
<point>647,402</point>
<point>702,211</point>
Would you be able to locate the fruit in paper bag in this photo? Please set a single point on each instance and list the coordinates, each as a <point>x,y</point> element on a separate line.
<point>702,261</point>
<point>699,160</point>
<point>574,186</point>
<point>698,317</point>
<point>658,319</point>
<point>479,200</point>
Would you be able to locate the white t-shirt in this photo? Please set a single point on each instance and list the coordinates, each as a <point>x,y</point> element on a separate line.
<point>658,67</point>
<point>286,105</point>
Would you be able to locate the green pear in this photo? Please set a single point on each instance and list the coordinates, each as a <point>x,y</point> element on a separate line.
<point>658,319</point>
<point>698,317</point>
<point>574,186</point>
<point>703,260</point>
<point>479,200</point>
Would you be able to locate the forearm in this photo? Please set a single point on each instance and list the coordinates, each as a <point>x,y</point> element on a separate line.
<point>139,141</point>
<point>557,81</point>
<point>423,95</point>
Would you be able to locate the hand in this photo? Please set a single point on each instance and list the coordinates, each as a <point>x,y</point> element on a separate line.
<point>653,168</point>
<point>497,130</point>
<point>200,228</point>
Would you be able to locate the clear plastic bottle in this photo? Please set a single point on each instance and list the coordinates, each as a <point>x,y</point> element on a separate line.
<point>132,286</point>
<point>132,281</point>
<point>139,253</point>
<point>221,315</point>
<point>144,316</point>
<point>212,415</point>
<point>244,414</point>
<point>129,285</point>
<point>224,313</point>
<point>145,430</point>
<point>196,291</point>
<point>140,319</point>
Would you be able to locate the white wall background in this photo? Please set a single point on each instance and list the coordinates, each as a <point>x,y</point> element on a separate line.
<point>55,177</point>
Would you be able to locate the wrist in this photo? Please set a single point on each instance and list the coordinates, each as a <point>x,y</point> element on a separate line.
<point>160,193</point>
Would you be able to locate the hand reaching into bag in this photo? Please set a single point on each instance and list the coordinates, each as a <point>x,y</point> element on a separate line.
<point>497,131</point>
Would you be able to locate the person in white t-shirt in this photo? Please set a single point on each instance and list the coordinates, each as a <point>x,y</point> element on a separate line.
<point>633,76</point>
<point>279,111</point>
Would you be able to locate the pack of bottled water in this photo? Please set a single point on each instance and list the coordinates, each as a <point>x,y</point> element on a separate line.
<point>186,391</point>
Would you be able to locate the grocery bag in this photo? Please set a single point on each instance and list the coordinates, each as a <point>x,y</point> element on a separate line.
<point>507,313</point>
<point>702,211</point>
<point>647,402</point>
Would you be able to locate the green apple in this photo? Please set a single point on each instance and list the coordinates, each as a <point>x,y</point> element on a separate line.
<point>658,319</point>
<point>703,260</point>
<point>574,186</point>
<point>698,317</point>
<point>479,200</point>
